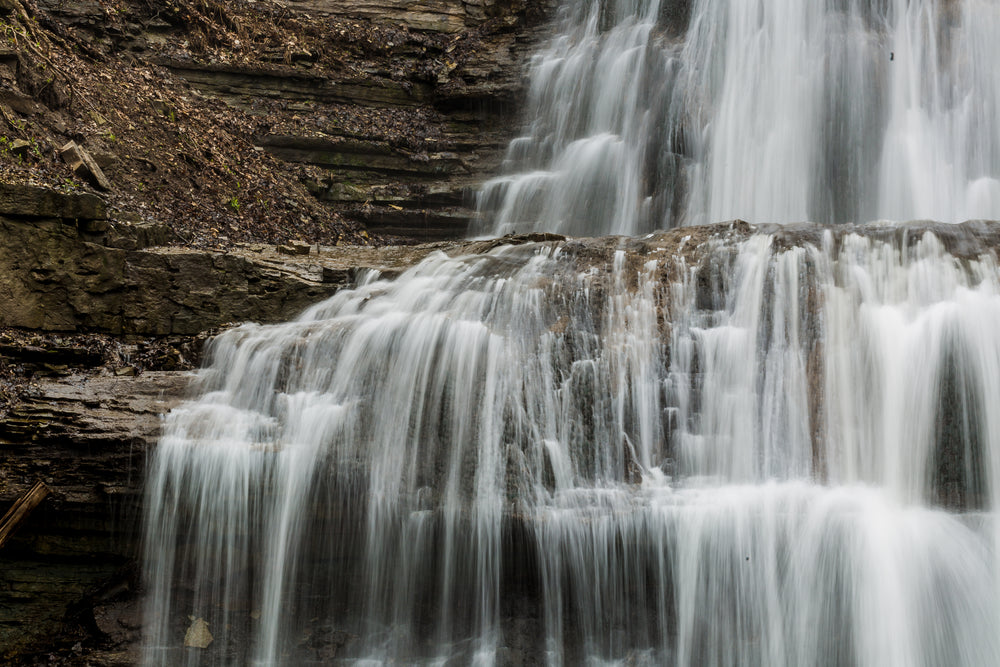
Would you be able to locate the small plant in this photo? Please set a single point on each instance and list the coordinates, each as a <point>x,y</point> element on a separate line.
<point>234,203</point>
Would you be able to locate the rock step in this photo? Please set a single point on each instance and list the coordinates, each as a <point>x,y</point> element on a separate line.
<point>237,84</point>
<point>52,278</point>
<point>30,201</point>
<point>445,16</point>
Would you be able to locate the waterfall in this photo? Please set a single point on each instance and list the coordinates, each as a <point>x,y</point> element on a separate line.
<point>751,453</point>
<point>771,111</point>
<point>730,444</point>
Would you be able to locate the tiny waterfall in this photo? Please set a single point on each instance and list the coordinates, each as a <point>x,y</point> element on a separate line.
<point>727,444</point>
<point>745,452</point>
<point>771,111</point>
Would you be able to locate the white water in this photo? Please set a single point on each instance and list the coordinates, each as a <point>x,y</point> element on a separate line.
<point>765,110</point>
<point>772,450</point>
<point>532,457</point>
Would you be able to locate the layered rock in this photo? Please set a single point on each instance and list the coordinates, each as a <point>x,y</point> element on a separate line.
<point>84,435</point>
<point>86,414</point>
<point>457,107</point>
<point>58,275</point>
<point>394,110</point>
<point>448,16</point>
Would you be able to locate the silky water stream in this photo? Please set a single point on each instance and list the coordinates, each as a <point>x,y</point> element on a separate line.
<point>726,445</point>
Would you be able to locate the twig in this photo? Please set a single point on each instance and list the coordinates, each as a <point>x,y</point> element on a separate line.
<point>20,510</point>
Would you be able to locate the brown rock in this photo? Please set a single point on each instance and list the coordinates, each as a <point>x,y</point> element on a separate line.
<point>30,201</point>
<point>86,435</point>
<point>21,148</point>
<point>93,226</point>
<point>198,635</point>
<point>84,166</point>
<point>294,248</point>
<point>51,280</point>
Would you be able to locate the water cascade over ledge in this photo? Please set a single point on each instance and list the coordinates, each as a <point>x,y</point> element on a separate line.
<point>739,449</point>
<point>744,444</point>
<point>772,111</point>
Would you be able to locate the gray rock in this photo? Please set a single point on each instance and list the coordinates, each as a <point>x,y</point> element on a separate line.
<point>31,201</point>
<point>52,279</point>
<point>21,148</point>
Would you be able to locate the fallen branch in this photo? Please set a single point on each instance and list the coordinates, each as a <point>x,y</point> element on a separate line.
<point>20,510</point>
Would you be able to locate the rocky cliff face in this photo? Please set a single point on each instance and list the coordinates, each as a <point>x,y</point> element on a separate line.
<point>238,120</point>
<point>389,112</point>
<point>84,434</point>
<point>399,138</point>
<point>66,268</point>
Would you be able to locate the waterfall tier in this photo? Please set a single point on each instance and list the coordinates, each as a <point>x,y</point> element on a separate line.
<point>706,446</point>
<point>773,111</point>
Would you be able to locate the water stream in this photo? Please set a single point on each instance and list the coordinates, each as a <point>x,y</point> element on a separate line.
<point>706,446</point>
<point>770,111</point>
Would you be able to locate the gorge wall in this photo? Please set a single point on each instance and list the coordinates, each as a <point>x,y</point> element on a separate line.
<point>100,331</point>
<point>395,109</point>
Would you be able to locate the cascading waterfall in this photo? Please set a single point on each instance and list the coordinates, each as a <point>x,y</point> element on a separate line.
<point>771,111</point>
<point>597,103</point>
<point>568,452</point>
<point>724,445</point>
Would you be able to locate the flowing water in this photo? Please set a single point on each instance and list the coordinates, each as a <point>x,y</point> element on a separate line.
<point>772,111</point>
<point>709,446</point>
<point>601,451</point>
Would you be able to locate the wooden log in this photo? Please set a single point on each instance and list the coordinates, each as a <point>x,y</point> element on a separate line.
<point>20,510</point>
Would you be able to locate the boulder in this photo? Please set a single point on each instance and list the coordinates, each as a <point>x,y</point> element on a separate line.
<point>84,166</point>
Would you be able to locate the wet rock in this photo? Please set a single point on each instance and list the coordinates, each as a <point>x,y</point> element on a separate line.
<point>675,15</point>
<point>86,435</point>
<point>198,635</point>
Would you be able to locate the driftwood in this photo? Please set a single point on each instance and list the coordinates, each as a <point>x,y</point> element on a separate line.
<point>20,510</point>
